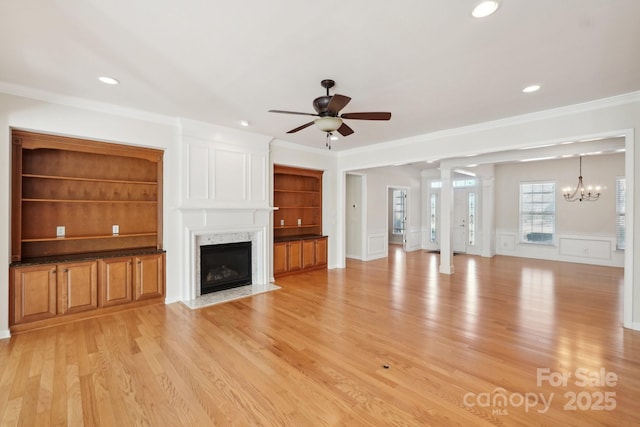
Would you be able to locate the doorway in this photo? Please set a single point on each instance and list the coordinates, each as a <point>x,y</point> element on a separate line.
<point>397,215</point>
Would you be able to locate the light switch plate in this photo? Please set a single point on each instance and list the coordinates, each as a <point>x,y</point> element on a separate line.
<point>60,231</point>
<point>116,229</point>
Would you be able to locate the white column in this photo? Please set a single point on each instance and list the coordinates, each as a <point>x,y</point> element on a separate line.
<point>446,218</point>
<point>488,215</point>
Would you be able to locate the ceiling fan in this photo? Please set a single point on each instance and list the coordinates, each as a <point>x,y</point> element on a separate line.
<point>327,110</point>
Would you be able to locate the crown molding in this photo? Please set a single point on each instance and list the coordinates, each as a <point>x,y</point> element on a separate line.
<point>613,101</point>
<point>304,148</point>
<point>76,102</point>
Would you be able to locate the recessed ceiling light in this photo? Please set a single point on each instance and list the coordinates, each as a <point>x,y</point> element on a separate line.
<point>244,123</point>
<point>485,8</point>
<point>108,80</point>
<point>333,138</point>
<point>531,88</point>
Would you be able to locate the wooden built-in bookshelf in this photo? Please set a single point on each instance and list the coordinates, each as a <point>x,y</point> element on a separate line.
<point>297,226</point>
<point>107,198</point>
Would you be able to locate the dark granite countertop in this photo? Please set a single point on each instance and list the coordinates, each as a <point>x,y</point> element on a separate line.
<point>299,237</point>
<point>86,256</point>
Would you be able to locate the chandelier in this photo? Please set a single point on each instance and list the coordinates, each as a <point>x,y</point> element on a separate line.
<point>588,194</point>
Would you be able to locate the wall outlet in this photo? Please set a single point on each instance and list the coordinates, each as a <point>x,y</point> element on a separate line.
<point>116,229</point>
<point>60,231</point>
<point>282,223</point>
<point>299,222</point>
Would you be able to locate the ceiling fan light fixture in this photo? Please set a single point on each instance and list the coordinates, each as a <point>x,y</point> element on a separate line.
<point>328,123</point>
<point>484,8</point>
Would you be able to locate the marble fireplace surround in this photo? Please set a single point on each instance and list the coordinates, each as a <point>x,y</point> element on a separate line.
<point>209,236</point>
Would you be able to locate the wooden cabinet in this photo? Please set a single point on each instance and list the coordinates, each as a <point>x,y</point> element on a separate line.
<point>77,287</point>
<point>308,253</point>
<point>131,278</point>
<point>45,291</point>
<point>86,228</point>
<point>149,277</point>
<point>54,291</point>
<point>280,255</point>
<point>287,257</point>
<point>299,255</point>
<point>116,279</point>
<point>34,293</point>
<point>321,252</point>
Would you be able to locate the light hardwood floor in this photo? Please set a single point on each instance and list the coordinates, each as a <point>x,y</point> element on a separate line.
<point>387,342</point>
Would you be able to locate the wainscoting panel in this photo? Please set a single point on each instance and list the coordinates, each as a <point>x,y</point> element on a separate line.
<point>414,239</point>
<point>224,175</point>
<point>597,249</point>
<point>377,245</point>
<point>507,242</point>
<point>586,248</point>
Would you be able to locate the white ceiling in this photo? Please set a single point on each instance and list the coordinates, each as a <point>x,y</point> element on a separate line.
<point>428,62</point>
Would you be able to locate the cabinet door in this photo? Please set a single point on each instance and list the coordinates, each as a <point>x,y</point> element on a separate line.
<point>149,276</point>
<point>116,281</point>
<point>34,293</point>
<point>295,255</point>
<point>321,251</point>
<point>77,287</point>
<point>308,253</point>
<point>280,255</point>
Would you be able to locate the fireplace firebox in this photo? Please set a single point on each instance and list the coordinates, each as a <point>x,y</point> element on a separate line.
<point>224,266</point>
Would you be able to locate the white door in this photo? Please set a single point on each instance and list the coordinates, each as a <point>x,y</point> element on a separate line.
<point>459,226</point>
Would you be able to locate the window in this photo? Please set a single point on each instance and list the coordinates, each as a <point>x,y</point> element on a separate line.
<point>620,214</point>
<point>472,218</point>
<point>457,183</point>
<point>537,212</point>
<point>399,210</point>
<point>463,183</point>
<point>433,207</point>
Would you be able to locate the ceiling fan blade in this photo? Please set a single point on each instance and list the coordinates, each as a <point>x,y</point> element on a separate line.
<point>337,103</point>
<point>345,130</point>
<point>292,112</point>
<point>306,125</point>
<point>367,116</point>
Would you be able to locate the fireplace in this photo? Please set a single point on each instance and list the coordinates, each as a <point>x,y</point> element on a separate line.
<point>224,266</point>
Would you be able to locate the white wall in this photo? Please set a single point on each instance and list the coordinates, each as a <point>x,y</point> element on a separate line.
<point>97,122</point>
<point>378,182</point>
<point>585,231</point>
<point>355,221</point>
